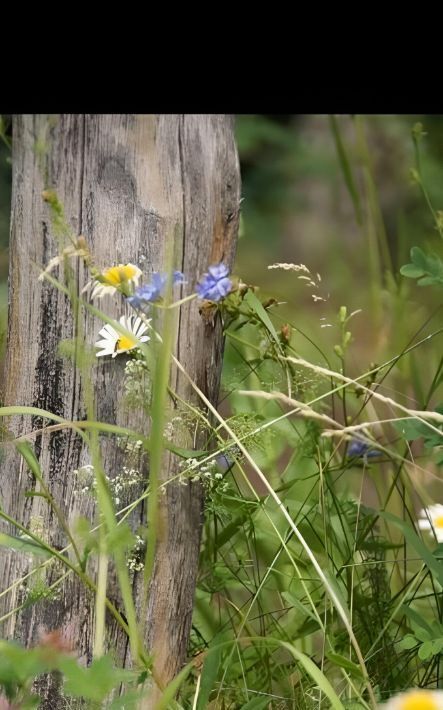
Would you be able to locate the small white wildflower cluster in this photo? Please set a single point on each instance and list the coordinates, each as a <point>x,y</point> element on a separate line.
<point>85,477</point>
<point>133,448</point>
<point>127,478</point>
<point>172,426</point>
<point>137,383</point>
<point>203,472</point>
<point>207,473</point>
<point>184,422</point>
<point>135,561</point>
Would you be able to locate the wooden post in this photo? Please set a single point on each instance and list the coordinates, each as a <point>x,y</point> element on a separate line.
<point>127,182</point>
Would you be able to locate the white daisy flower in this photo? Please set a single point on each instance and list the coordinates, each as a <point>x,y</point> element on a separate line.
<point>112,278</point>
<point>432,519</point>
<point>415,699</point>
<point>114,343</point>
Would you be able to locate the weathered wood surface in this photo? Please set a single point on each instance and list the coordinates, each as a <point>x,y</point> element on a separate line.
<point>126,182</point>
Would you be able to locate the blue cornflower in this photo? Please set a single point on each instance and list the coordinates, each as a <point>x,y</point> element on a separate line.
<point>215,284</point>
<point>360,449</point>
<point>151,292</point>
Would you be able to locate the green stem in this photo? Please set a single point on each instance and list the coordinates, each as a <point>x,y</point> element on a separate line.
<point>159,400</point>
<point>100,601</point>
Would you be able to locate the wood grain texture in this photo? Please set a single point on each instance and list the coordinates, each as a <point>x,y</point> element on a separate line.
<point>127,182</point>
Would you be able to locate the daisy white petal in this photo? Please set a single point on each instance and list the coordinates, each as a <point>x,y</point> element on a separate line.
<point>431,519</point>
<point>108,350</point>
<point>114,343</point>
<point>108,331</point>
<point>424,525</point>
<point>102,343</point>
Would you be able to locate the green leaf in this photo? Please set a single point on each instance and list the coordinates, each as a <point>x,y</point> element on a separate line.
<point>316,674</point>
<point>434,565</point>
<point>411,271</point>
<point>426,267</point>
<point>19,664</point>
<point>256,704</point>
<point>425,651</point>
<point>437,646</point>
<point>24,544</point>
<point>418,258</point>
<point>31,411</point>
<point>28,454</point>
<point>303,609</point>
<point>408,642</point>
<point>120,537</point>
<point>429,281</point>
<point>94,682</point>
<point>423,635</point>
<point>411,429</point>
<point>252,300</point>
<point>208,676</point>
<point>343,662</point>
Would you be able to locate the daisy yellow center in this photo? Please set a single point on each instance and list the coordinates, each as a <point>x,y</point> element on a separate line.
<point>118,274</point>
<point>419,701</point>
<point>438,522</point>
<point>124,343</point>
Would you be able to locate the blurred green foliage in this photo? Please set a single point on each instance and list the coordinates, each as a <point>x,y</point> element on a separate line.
<point>297,208</point>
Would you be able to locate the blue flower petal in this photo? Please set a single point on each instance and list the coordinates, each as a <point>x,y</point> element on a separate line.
<point>218,271</point>
<point>215,285</point>
<point>151,292</point>
<point>178,277</point>
<point>360,448</point>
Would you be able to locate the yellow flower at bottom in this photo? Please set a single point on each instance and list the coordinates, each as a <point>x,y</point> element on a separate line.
<point>416,699</point>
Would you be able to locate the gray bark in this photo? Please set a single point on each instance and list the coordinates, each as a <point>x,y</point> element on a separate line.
<point>127,183</point>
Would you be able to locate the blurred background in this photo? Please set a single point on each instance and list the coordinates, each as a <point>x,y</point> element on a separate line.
<point>298,207</point>
<point>352,231</point>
